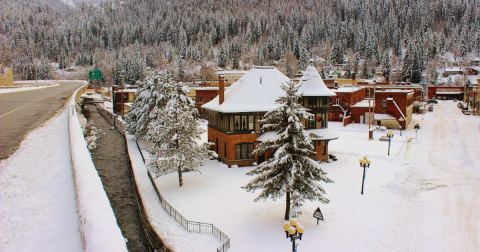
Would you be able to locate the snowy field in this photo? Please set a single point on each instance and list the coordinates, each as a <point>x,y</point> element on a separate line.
<point>37,199</point>
<point>423,197</point>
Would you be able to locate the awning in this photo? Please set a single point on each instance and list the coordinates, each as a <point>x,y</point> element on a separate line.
<point>449,92</point>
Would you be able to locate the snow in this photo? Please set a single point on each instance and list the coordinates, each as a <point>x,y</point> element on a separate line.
<point>98,224</point>
<point>37,197</point>
<point>27,88</point>
<point>348,89</point>
<point>256,91</point>
<point>423,197</point>
<point>313,85</point>
<point>364,103</point>
<point>384,117</point>
<point>324,134</point>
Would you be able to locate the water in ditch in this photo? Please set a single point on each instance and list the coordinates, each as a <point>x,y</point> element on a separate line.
<point>113,165</point>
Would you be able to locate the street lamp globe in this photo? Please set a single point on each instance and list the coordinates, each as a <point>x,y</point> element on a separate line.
<point>293,221</point>
<point>292,230</point>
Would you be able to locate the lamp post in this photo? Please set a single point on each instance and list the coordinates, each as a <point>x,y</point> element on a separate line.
<point>401,120</point>
<point>390,136</point>
<point>416,127</point>
<point>365,163</point>
<point>293,230</point>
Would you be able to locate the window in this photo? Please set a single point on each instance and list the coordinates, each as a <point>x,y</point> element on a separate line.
<point>312,102</point>
<point>324,147</point>
<point>244,122</point>
<point>336,100</point>
<point>243,151</point>
<point>384,104</point>
<point>200,99</point>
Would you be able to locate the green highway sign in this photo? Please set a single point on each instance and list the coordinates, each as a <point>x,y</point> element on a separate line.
<point>95,75</point>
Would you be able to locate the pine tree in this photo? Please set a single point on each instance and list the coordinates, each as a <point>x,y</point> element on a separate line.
<point>337,54</point>
<point>417,70</point>
<point>222,58</point>
<point>386,66</point>
<point>174,134</point>
<point>290,172</point>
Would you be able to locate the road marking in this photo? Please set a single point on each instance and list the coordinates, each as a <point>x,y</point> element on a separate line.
<point>31,103</point>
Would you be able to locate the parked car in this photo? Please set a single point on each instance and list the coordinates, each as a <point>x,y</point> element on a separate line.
<point>430,108</point>
<point>467,112</point>
<point>433,101</point>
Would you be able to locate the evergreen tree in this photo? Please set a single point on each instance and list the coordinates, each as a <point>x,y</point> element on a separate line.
<point>222,58</point>
<point>290,172</point>
<point>386,66</point>
<point>235,64</point>
<point>417,70</point>
<point>174,134</point>
<point>366,74</point>
<point>337,54</point>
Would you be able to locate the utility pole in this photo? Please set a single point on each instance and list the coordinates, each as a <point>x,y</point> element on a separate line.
<point>369,103</point>
<point>35,59</point>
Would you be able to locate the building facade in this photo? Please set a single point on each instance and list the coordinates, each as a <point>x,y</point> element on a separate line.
<point>235,113</point>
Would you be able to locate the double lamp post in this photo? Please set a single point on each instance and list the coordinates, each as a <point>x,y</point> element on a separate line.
<point>390,136</point>
<point>365,163</point>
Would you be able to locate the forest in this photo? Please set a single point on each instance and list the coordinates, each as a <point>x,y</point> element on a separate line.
<point>192,38</point>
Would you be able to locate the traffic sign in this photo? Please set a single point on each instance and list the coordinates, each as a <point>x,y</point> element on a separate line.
<point>318,214</point>
<point>95,75</point>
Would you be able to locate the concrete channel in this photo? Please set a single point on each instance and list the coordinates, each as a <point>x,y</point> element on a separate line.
<point>113,165</point>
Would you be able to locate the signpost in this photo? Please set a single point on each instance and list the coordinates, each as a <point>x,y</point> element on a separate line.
<point>416,127</point>
<point>95,75</point>
<point>318,214</point>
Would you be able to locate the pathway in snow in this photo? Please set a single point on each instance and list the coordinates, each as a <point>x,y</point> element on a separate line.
<point>443,171</point>
<point>37,200</point>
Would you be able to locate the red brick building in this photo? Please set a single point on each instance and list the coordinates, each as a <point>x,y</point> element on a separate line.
<point>345,97</point>
<point>202,96</point>
<point>391,106</point>
<point>235,113</point>
<point>445,92</point>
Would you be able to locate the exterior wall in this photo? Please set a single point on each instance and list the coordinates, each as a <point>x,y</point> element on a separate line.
<point>318,149</point>
<point>357,112</point>
<point>202,97</point>
<point>432,92</point>
<point>345,99</point>
<point>231,140</point>
<point>7,80</point>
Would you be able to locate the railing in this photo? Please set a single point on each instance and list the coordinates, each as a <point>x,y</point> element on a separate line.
<point>192,226</point>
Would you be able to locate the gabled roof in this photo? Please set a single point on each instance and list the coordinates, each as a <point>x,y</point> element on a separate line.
<point>256,91</point>
<point>313,85</point>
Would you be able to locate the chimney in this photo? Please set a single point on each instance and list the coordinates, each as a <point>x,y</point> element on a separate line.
<point>221,88</point>
<point>388,80</point>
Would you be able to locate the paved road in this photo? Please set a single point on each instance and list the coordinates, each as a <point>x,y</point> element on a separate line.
<point>23,111</point>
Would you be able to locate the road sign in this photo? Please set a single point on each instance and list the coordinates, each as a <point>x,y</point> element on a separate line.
<point>318,214</point>
<point>95,75</point>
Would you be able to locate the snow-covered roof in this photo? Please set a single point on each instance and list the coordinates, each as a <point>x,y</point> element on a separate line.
<point>313,85</point>
<point>256,91</point>
<point>395,91</point>
<point>206,88</point>
<point>344,89</point>
<point>231,72</point>
<point>453,69</point>
<point>324,134</point>
<point>364,103</point>
<point>473,78</point>
<point>449,92</point>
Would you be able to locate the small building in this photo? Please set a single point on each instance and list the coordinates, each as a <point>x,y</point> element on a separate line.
<point>345,97</point>
<point>7,80</point>
<point>446,92</point>
<point>235,113</point>
<point>202,96</point>
<point>391,106</point>
<point>128,98</point>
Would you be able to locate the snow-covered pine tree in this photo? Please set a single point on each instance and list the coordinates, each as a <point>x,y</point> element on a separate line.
<point>150,98</point>
<point>174,134</point>
<point>290,171</point>
<point>386,65</point>
<point>222,58</point>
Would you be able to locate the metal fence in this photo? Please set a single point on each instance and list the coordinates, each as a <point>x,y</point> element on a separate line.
<point>192,226</point>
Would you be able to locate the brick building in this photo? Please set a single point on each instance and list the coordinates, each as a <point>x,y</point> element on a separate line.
<point>393,105</point>
<point>235,113</point>
<point>345,97</point>
<point>446,92</point>
<point>202,96</point>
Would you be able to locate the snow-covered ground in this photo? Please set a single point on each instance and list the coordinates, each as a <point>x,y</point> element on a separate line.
<point>37,198</point>
<point>424,197</point>
<point>28,85</point>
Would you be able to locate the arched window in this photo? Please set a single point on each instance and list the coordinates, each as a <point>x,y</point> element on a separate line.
<point>243,151</point>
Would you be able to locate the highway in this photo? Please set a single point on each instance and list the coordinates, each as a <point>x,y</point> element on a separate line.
<point>21,112</point>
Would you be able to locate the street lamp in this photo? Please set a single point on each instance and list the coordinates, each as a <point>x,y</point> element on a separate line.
<point>390,136</point>
<point>365,163</point>
<point>401,120</point>
<point>293,230</point>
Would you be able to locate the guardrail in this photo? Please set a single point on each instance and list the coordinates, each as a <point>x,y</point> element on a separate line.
<point>192,226</point>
